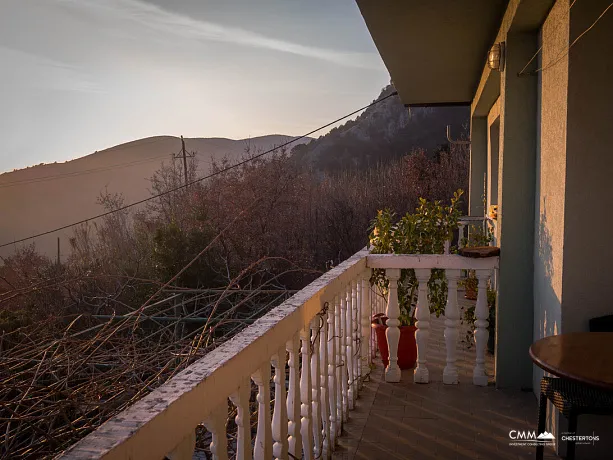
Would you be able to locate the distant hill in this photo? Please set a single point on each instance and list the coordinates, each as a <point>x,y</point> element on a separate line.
<point>47,196</point>
<point>40,198</point>
<point>382,132</point>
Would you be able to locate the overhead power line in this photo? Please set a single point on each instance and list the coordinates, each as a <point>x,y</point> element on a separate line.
<point>187,184</point>
<point>565,51</point>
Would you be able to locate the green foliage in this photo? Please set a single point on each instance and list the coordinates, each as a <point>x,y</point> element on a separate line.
<point>174,248</point>
<point>478,235</point>
<point>423,232</point>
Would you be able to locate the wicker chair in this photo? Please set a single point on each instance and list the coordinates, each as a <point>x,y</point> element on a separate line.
<point>571,399</point>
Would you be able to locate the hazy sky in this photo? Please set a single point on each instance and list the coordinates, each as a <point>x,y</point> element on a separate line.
<point>80,75</point>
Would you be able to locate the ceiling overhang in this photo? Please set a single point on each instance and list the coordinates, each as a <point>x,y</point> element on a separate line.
<point>435,50</point>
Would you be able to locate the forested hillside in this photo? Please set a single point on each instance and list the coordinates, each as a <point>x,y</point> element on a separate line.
<point>382,133</point>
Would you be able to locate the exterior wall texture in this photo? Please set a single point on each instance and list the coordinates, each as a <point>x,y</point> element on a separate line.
<point>587,248</point>
<point>550,178</point>
<point>572,280</point>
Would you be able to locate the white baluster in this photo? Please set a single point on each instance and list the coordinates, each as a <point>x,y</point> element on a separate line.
<point>332,371</point>
<point>365,324</point>
<point>392,371</point>
<point>422,314</point>
<point>306,424</point>
<point>323,390</point>
<point>460,235</point>
<point>315,385</point>
<point>349,345</point>
<point>263,438</point>
<point>240,399</point>
<point>447,246</point>
<point>293,397</point>
<point>481,323</point>
<point>185,449</point>
<point>355,352</point>
<point>342,329</point>
<point>452,322</point>
<point>215,424</point>
<point>279,416</point>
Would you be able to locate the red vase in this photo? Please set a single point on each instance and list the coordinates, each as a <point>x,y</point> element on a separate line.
<point>407,347</point>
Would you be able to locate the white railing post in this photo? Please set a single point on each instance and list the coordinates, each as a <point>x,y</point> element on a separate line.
<point>293,397</point>
<point>452,322</point>
<point>350,345</point>
<point>332,371</point>
<point>342,328</point>
<point>392,372</point>
<point>279,416</point>
<point>323,389</point>
<point>422,314</point>
<point>306,423</point>
<point>365,324</point>
<point>215,424</point>
<point>460,235</point>
<point>357,327</point>
<point>185,449</point>
<point>240,399</point>
<point>316,324</point>
<point>481,323</point>
<point>263,438</point>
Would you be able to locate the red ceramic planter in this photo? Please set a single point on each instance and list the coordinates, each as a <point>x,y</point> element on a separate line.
<point>407,347</point>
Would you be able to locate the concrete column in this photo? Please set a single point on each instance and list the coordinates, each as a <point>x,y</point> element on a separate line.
<point>516,188</point>
<point>478,164</point>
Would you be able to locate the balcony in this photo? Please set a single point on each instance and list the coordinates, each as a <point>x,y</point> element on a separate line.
<point>302,382</point>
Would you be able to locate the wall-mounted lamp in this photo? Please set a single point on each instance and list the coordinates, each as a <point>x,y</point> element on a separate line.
<point>495,58</point>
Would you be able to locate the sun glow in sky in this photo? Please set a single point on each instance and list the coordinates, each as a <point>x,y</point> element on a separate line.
<point>82,75</point>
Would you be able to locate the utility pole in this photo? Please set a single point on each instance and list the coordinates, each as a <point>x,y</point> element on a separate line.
<point>58,251</point>
<point>184,154</point>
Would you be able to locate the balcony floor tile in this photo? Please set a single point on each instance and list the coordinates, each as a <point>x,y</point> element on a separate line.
<point>436,421</point>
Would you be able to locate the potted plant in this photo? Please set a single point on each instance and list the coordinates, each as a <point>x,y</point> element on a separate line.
<point>426,231</point>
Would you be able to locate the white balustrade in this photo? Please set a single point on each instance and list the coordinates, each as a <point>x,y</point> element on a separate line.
<point>452,323</point>
<point>355,341</point>
<point>333,371</point>
<point>293,397</point>
<point>392,372</point>
<point>323,333</point>
<point>341,390</point>
<point>349,344</point>
<point>365,332</point>
<point>306,410</point>
<point>279,417</point>
<point>323,388</point>
<point>423,265</point>
<point>215,423</point>
<point>481,323</point>
<point>240,399</point>
<point>422,315</point>
<point>263,438</point>
<point>343,361</point>
<point>315,387</point>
